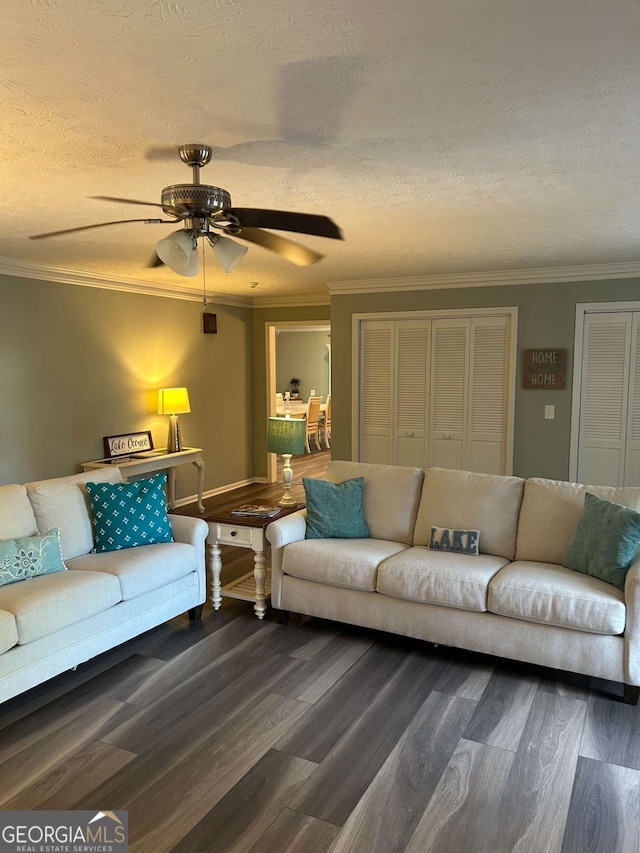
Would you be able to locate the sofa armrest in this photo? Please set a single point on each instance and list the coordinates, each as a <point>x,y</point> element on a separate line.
<point>632,628</point>
<point>281,533</point>
<point>193,531</point>
<point>291,528</point>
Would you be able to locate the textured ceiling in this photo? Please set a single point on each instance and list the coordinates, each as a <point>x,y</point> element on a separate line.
<point>443,136</point>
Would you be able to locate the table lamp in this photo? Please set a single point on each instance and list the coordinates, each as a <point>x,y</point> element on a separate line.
<point>286,436</point>
<point>173,402</point>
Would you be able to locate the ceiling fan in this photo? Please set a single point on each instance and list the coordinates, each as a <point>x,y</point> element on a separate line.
<point>206,211</point>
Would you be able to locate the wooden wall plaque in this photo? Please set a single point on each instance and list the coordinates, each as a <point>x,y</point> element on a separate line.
<point>544,369</point>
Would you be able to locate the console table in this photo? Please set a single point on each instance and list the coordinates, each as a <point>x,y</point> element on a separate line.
<point>241,531</point>
<point>149,461</point>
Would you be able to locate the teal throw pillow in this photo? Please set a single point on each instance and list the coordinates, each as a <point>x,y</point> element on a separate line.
<point>29,557</point>
<point>605,540</point>
<point>126,515</point>
<point>334,510</point>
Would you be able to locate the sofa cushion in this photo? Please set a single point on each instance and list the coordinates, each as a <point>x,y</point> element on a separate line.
<point>439,577</point>
<point>49,603</point>
<point>351,563</point>
<point>30,556</point>
<point>489,503</point>
<point>554,595</point>
<point>550,512</point>
<point>143,569</point>
<point>8,631</point>
<point>16,513</point>
<point>62,502</point>
<point>390,496</point>
<point>334,510</point>
<point>605,541</point>
<point>128,515</point>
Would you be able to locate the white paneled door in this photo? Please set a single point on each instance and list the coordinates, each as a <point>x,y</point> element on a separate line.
<point>434,391</point>
<point>609,428</point>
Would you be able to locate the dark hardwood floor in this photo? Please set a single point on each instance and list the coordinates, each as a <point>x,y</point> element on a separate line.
<point>233,734</point>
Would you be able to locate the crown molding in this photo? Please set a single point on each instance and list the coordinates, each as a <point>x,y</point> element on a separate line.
<point>500,278</point>
<point>59,275</point>
<point>292,301</point>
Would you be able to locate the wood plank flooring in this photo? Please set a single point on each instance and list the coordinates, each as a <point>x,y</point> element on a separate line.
<point>234,735</point>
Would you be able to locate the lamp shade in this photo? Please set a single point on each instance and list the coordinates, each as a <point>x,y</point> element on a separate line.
<point>228,253</point>
<point>286,435</point>
<point>173,401</point>
<point>179,251</point>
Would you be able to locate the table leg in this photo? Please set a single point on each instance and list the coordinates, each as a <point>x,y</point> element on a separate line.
<point>171,486</point>
<point>260,574</point>
<point>199,463</point>
<point>215,562</point>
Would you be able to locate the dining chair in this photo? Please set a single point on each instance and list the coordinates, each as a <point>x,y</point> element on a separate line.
<point>325,423</point>
<point>313,418</point>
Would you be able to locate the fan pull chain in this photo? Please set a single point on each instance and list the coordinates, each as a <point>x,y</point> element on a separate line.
<point>204,279</point>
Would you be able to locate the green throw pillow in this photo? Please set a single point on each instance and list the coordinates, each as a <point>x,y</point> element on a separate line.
<point>334,510</point>
<point>126,515</point>
<point>605,540</point>
<point>21,559</point>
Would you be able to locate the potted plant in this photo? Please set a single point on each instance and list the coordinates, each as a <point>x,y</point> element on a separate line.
<point>295,388</point>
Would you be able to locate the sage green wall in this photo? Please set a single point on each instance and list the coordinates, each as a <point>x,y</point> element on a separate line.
<point>546,318</point>
<point>79,363</point>
<point>262,316</point>
<point>305,355</point>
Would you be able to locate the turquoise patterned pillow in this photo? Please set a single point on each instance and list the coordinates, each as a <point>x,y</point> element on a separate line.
<point>605,541</point>
<point>21,559</point>
<point>126,515</point>
<point>334,510</point>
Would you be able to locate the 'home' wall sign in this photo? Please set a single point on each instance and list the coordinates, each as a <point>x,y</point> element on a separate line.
<point>544,369</point>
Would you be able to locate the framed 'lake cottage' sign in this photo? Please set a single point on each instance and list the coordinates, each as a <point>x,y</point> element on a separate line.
<point>124,445</point>
<point>544,369</point>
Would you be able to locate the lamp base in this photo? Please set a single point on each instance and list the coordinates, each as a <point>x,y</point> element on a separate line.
<point>287,475</point>
<point>174,440</point>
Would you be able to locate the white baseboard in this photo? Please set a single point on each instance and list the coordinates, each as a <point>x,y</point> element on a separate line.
<point>220,490</point>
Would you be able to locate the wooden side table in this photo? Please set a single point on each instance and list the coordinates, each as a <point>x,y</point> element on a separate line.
<point>241,531</point>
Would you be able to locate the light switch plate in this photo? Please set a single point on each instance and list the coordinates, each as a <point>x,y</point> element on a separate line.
<point>549,413</point>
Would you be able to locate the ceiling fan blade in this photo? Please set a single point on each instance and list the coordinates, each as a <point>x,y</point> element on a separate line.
<point>125,200</point>
<point>98,225</point>
<point>285,220</point>
<point>294,252</point>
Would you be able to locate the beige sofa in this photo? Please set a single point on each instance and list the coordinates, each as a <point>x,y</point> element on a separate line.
<point>513,600</point>
<point>51,623</point>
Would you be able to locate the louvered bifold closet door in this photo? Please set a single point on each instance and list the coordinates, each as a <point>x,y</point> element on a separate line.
<point>604,398</point>
<point>487,412</point>
<point>632,455</point>
<point>412,390</point>
<point>448,398</point>
<point>376,392</point>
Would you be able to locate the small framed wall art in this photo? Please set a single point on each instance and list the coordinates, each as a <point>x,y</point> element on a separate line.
<point>544,369</point>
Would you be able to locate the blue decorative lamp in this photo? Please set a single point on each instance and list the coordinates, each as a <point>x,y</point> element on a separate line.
<point>286,436</point>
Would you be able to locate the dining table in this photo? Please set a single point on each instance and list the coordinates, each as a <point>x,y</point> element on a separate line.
<point>296,409</point>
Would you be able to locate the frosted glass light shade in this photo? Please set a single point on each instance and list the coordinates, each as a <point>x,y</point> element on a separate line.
<point>179,252</point>
<point>228,253</point>
<point>173,401</point>
<point>286,435</point>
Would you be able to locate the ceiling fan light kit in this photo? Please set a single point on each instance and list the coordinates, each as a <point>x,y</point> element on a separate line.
<point>206,209</point>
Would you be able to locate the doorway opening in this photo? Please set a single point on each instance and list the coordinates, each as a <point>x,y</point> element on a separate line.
<point>300,350</point>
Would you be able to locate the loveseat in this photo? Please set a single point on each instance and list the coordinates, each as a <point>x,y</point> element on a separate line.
<point>514,599</point>
<point>51,623</point>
